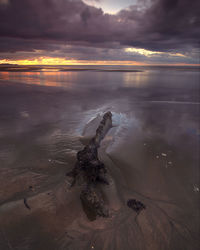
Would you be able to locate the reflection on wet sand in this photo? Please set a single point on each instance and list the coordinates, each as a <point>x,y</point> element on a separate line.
<point>135,80</point>
<point>45,78</point>
<point>151,152</point>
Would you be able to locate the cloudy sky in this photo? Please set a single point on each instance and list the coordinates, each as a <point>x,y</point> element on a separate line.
<point>99,31</point>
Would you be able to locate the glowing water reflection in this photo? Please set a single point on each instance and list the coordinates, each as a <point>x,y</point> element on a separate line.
<point>45,78</point>
<point>135,79</point>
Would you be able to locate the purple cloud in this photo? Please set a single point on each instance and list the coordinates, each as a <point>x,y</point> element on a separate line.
<point>28,25</point>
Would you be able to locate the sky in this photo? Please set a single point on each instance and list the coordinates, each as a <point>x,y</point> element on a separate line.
<point>111,6</point>
<point>115,32</point>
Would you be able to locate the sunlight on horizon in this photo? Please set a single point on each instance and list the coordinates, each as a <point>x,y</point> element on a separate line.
<point>61,61</point>
<point>49,61</point>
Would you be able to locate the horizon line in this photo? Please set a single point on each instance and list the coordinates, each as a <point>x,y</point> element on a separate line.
<point>141,65</point>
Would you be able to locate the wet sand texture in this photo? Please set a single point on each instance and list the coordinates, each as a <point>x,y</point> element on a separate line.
<point>151,154</point>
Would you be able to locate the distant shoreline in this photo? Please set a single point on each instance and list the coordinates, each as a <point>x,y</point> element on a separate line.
<point>96,68</point>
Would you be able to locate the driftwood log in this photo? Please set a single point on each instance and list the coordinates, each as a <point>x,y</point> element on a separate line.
<point>91,172</point>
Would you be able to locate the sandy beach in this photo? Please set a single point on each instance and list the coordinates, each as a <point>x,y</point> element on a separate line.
<point>151,153</point>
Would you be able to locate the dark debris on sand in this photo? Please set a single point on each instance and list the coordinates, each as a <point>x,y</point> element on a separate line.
<point>137,206</point>
<point>26,204</point>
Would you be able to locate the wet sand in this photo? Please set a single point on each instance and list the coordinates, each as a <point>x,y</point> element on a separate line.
<point>152,154</point>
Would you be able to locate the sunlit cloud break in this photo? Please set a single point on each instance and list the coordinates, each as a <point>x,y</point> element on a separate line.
<point>150,53</point>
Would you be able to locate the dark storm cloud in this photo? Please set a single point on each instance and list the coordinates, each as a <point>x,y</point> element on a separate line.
<point>28,25</point>
<point>167,24</point>
<point>50,19</point>
<point>177,21</point>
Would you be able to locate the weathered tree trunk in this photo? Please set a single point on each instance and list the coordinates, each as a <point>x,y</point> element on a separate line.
<point>91,171</point>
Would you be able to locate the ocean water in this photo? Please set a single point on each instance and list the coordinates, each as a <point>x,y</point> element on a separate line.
<point>151,153</point>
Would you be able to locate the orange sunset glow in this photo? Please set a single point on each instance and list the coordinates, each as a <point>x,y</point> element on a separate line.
<point>61,61</point>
